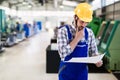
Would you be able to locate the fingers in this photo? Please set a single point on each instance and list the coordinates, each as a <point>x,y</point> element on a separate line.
<point>77,29</point>
<point>79,34</point>
<point>99,64</point>
<point>81,27</point>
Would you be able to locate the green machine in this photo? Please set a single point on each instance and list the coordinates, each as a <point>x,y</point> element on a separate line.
<point>2,20</point>
<point>95,25</point>
<point>2,27</point>
<point>99,38</point>
<point>111,47</point>
<point>101,32</point>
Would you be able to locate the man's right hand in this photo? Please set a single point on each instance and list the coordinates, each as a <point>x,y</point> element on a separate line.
<point>79,34</point>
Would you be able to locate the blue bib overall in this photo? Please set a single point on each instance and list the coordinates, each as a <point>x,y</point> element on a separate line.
<point>75,71</point>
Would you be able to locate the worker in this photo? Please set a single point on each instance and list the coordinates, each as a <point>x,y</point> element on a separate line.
<point>77,40</point>
<point>17,27</point>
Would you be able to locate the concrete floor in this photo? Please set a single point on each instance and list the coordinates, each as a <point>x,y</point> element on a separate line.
<point>27,61</point>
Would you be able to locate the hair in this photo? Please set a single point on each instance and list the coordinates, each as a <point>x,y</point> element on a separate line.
<point>74,22</point>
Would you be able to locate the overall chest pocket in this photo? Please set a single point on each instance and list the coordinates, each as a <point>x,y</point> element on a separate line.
<point>82,43</point>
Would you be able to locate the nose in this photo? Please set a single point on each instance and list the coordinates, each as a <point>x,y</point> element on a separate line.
<point>83,23</point>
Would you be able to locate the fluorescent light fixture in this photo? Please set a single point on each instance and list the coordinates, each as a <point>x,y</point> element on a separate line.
<point>29,6</point>
<point>69,3</point>
<point>61,6</point>
<point>24,3</point>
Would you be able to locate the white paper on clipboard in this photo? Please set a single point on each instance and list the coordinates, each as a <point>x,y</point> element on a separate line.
<point>93,59</point>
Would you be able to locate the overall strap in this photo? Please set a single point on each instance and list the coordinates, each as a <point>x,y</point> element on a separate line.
<point>86,34</point>
<point>69,33</point>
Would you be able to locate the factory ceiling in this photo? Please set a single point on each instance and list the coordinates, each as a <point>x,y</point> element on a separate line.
<point>41,4</point>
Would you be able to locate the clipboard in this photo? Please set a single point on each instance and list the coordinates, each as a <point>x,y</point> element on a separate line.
<point>93,59</point>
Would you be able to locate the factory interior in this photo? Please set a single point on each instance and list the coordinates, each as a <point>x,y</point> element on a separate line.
<point>29,31</point>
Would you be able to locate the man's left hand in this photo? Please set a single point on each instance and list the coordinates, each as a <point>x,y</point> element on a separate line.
<point>99,64</point>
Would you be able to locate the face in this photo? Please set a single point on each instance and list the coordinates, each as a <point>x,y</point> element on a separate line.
<point>81,24</point>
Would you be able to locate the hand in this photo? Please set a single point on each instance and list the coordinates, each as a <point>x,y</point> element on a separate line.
<point>79,34</point>
<point>99,64</point>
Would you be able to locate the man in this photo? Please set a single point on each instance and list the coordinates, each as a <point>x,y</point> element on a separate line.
<point>76,41</point>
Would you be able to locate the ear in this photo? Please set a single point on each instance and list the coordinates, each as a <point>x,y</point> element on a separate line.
<point>75,17</point>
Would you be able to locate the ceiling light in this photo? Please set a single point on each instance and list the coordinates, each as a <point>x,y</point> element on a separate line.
<point>24,3</point>
<point>69,3</point>
<point>61,6</point>
<point>30,6</point>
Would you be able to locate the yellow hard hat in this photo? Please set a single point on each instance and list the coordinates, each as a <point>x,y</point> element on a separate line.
<point>84,12</point>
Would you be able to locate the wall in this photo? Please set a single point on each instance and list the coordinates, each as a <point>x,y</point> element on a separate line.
<point>112,11</point>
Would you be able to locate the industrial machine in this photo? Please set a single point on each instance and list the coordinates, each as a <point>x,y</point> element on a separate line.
<point>2,27</point>
<point>95,25</point>
<point>111,47</point>
<point>99,38</point>
<point>39,24</point>
<point>101,32</point>
<point>52,60</point>
<point>8,36</point>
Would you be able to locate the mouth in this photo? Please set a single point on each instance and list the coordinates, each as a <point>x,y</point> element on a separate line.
<point>80,28</point>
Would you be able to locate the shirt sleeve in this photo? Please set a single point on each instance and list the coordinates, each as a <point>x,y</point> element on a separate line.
<point>93,50</point>
<point>64,48</point>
